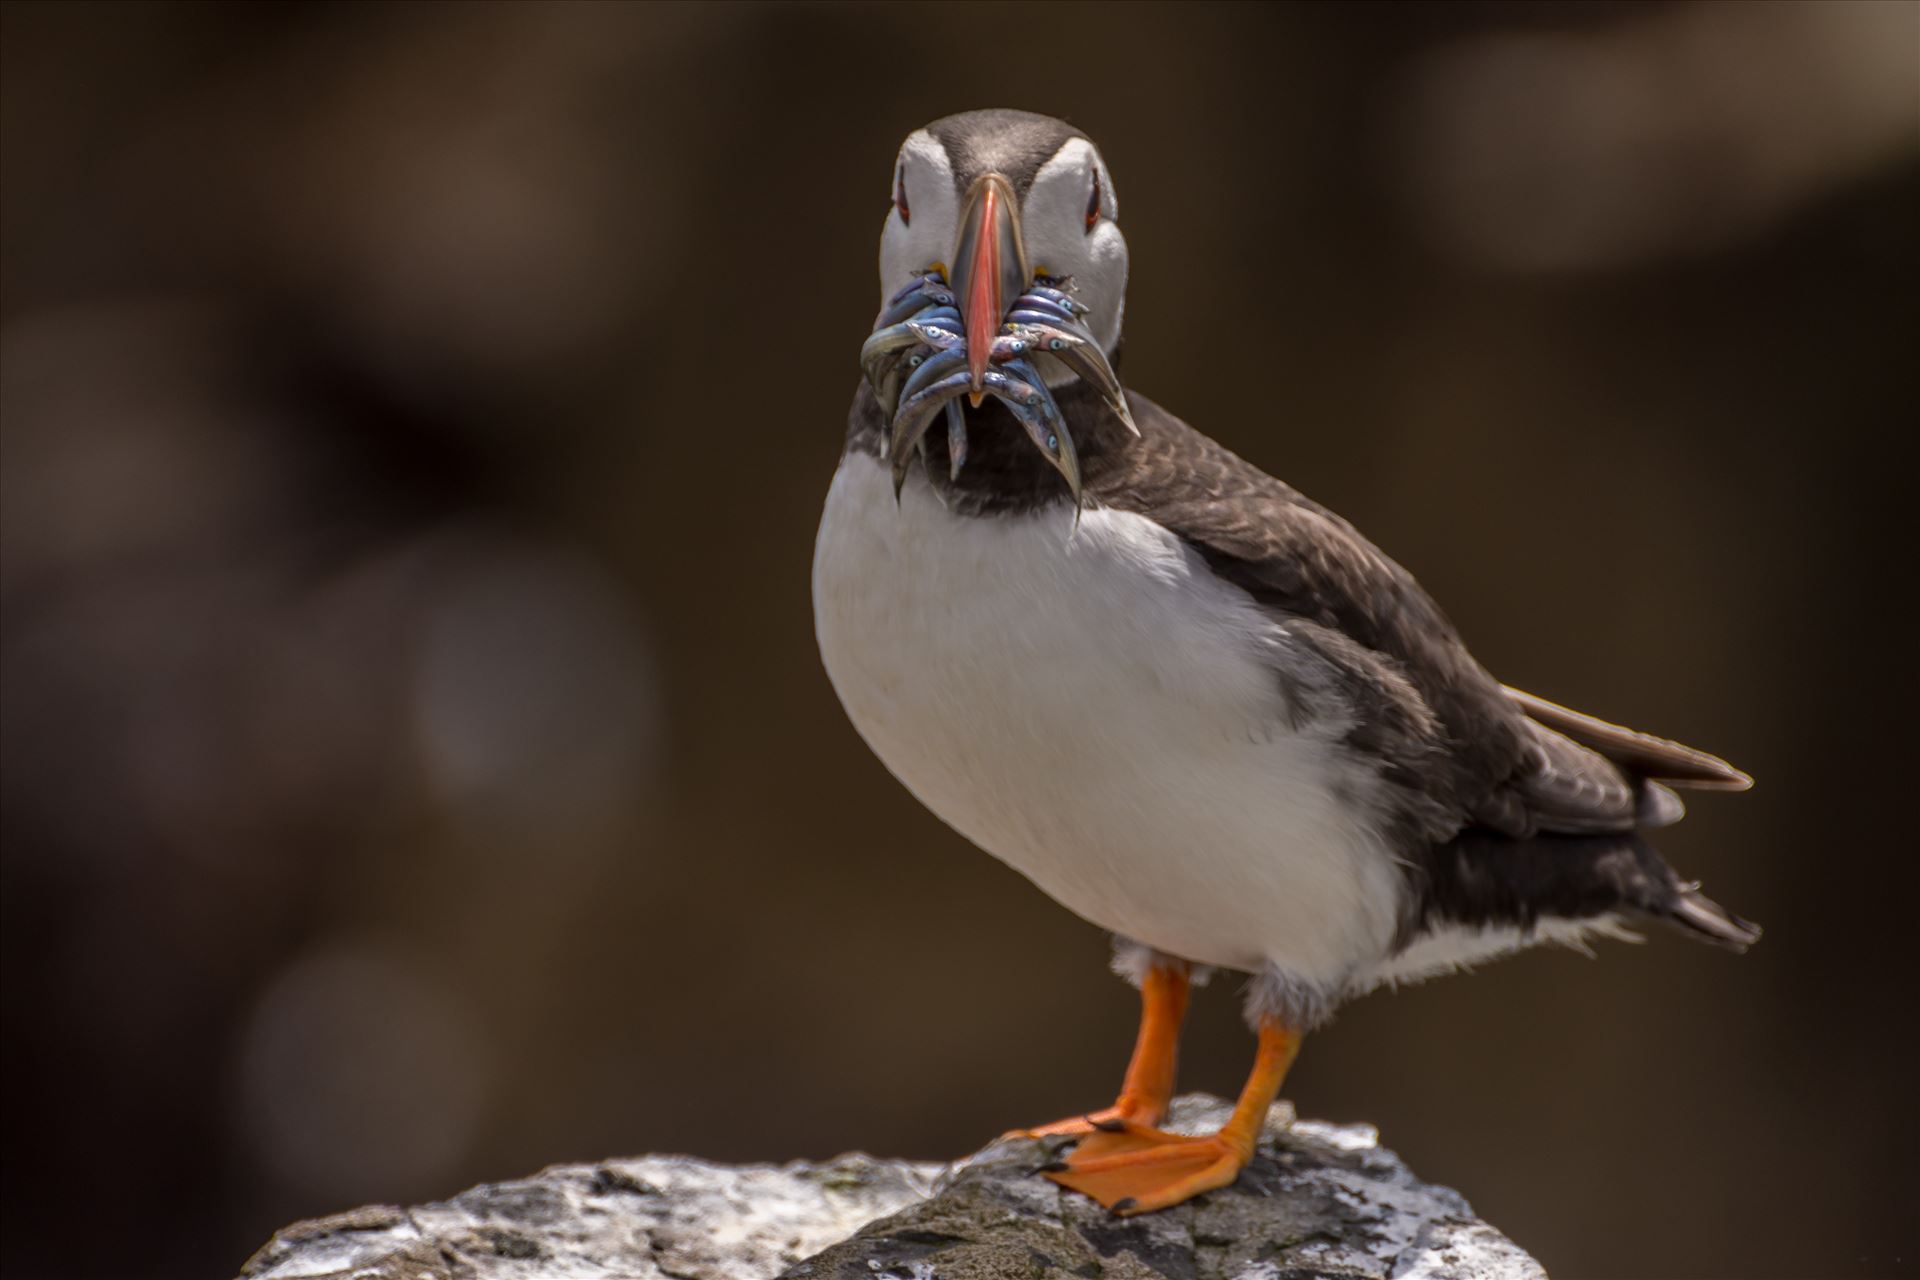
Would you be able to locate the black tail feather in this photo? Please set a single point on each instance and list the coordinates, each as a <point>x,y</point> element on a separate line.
<point>1704,918</point>
<point>1484,878</point>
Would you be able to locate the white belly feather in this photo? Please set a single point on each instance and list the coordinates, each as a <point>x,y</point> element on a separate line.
<point>1093,708</point>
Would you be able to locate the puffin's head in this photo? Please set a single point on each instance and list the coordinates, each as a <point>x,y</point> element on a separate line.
<point>998,197</point>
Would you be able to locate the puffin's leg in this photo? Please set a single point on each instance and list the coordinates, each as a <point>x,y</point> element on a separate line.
<point>1148,1085</point>
<point>1138,1171</point>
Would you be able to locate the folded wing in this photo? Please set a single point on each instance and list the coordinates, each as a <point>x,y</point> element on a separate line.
<point>1636,752</point>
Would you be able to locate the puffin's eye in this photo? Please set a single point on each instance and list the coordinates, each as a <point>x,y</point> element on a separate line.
<point>900,196</point>
<point>1093,201</point>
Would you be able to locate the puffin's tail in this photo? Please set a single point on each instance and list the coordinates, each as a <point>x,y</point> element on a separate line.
<point>1707,920</point>
<point>1648,762</point>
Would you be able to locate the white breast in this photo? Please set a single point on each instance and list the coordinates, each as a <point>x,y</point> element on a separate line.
<point>1094,708</point>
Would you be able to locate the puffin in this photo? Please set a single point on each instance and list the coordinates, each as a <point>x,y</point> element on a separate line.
<point>1192,705</point>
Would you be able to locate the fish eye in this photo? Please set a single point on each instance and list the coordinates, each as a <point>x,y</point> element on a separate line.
<point>913,362</point>
<point>1057,344</point>
<point>1053,442</point>
<point>900,195</point>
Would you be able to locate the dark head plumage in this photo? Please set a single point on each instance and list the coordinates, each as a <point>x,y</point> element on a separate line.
<point>1014,144</point>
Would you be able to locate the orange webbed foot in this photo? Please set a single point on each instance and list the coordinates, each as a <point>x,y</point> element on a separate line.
<point>1140,1170</point>
<point>1131,1168</point>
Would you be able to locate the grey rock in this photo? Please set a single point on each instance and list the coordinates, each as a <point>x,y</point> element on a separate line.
<point>1318,1200</point>
<point>652,1218</point>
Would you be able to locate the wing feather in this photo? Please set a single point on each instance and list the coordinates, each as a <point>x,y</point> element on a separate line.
<point>1463,749</point>
<point>1636,752</point>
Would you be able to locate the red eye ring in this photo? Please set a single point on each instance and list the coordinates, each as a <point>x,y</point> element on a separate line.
<point>1093,201</point>
<point>900,196</point>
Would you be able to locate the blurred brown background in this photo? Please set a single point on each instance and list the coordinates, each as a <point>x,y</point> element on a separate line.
<point>417,768</point>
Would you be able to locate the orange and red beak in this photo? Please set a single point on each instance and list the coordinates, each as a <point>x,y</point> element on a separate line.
<point>989,269</point>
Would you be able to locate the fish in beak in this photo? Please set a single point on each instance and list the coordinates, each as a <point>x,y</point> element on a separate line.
<point>978,332</point>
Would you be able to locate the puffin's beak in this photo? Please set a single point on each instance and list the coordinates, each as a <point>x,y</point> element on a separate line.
<point>989,269</point>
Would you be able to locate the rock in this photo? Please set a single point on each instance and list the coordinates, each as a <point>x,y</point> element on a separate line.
<point>653,1218</point>
<point>1319,1200</point>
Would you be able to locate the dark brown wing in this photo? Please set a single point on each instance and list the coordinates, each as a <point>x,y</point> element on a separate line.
<point>1460,748</point>
<point>1506,809</point>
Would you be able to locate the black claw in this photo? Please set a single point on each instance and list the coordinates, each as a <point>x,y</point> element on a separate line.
<point>1053,1166</point>
<point>1124,1204</point>
<point>1108,1126</point>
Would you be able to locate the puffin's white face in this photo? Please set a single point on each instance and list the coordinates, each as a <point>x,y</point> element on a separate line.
<point>1068,223</point>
